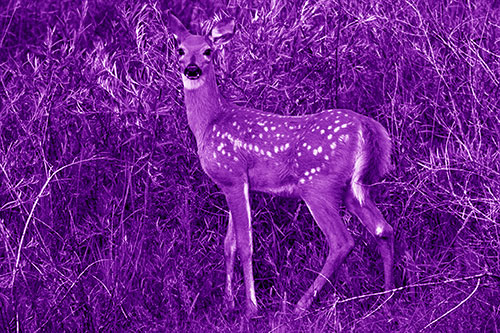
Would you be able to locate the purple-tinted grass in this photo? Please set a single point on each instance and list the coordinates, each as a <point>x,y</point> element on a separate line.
<point>108,223</point>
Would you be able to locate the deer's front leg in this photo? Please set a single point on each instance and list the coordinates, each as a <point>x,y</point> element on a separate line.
<point>239,205</point>
<point>229,252</point>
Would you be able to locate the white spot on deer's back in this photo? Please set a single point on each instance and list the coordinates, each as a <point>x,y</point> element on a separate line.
<point>344,137</point>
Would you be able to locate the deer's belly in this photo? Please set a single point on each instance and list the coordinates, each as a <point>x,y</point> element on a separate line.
<point>273,179</point>
<point>287,190</point>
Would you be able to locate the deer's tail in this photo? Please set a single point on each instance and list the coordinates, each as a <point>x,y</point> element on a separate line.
<point>372,159</point>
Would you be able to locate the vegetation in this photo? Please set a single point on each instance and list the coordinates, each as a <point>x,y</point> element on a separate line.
<point>108,223</point>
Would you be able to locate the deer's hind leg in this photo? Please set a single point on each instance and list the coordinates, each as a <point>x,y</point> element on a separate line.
<point>372,219</point>
<point>325,211</point>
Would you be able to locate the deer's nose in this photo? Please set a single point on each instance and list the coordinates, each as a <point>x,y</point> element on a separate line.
<point>192,71</point>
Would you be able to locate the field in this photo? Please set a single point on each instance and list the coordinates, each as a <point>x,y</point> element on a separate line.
<point>109,224</point>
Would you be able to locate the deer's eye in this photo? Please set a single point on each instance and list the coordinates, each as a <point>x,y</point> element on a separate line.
<point>207,52</point>
<point>181,51</point>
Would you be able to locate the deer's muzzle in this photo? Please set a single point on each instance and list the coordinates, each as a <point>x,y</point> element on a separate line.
<point>192,72</point>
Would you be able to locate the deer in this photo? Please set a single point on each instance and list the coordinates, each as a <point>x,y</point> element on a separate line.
<point>325,159</point>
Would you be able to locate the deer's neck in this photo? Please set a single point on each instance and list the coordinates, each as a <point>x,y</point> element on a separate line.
<point>202,105</point>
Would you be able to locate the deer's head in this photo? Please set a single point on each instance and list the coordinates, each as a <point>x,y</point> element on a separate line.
<point>195,52</point>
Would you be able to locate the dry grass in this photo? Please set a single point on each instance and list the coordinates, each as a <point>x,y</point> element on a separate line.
<point>108,223</point>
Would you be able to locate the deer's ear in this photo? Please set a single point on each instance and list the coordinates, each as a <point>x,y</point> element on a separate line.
<point>176,28</point>
<point>222,32</point>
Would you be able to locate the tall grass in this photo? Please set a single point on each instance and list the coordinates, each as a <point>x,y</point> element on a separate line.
<point>108,223</point>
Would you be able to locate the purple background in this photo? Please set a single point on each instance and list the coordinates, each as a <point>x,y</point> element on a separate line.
<point>108,223</point>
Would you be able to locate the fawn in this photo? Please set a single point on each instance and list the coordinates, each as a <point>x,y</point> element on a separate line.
<point>325,159</point>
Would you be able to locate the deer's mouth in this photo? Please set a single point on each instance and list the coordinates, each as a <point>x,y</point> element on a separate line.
<point>192,72</point>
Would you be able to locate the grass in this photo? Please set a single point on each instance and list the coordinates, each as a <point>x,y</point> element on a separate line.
<point>108,223</point>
